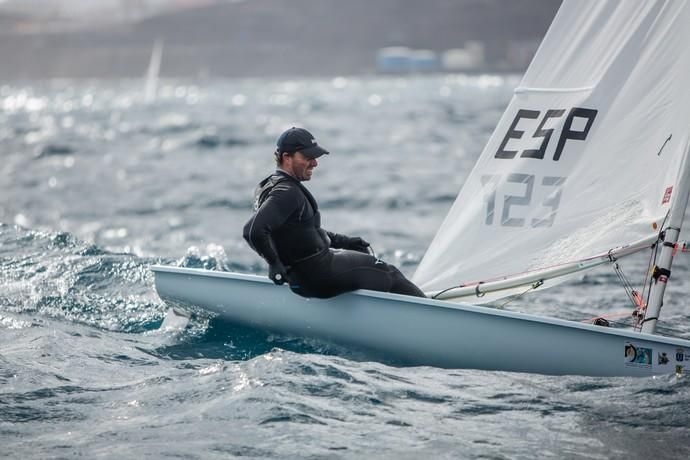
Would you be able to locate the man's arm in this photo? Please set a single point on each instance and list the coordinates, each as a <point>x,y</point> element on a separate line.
<point>281,202</point>
<point>354,243</point>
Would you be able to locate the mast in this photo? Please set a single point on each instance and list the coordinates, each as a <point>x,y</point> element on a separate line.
<point>662,271</point>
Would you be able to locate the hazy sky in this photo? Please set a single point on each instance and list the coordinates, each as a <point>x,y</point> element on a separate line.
<point>82,9</point>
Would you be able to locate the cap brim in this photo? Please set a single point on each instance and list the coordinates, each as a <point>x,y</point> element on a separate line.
<point>314,151</point>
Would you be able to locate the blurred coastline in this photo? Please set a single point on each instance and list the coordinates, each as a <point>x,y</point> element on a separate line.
<point>279,38</point>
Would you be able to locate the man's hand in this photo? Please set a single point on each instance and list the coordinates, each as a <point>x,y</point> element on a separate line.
<point>356,243</point>
<point>277,273</point>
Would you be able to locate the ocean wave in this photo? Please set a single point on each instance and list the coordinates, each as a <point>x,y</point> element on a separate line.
<point>55,274</point>
<point>212,141</point>
<point>50,150</point>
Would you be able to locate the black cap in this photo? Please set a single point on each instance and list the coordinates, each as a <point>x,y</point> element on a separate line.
<point>299,139</point>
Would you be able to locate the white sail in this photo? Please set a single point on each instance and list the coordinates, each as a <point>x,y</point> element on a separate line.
<point>153,71</point>
<point>586,155</point>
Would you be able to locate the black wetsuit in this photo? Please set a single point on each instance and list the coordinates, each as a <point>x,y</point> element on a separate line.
<point>286,228</point>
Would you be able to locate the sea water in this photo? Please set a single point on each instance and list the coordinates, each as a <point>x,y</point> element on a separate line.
<point>97,185</point>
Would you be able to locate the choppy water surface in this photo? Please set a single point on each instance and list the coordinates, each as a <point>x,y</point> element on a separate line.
<point>98,185</point>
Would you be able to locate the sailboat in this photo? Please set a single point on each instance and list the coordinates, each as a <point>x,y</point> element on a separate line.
<point>153,72</point>
<point>588,164</point>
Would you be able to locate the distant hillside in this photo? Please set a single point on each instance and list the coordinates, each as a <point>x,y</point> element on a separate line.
<point>9,20</point>
<point>283,37</point>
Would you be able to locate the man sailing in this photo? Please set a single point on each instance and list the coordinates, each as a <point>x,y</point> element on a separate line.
<point>285,230</point>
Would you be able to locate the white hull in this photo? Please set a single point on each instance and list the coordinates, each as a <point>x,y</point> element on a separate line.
<point>414,331</point>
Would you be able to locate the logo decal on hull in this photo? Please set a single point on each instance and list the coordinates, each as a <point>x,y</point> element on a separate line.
<point>636,356</point>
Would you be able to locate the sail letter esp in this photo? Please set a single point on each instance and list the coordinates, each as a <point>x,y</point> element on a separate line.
<point>545,133</point>
<point>566,133</point>
<point>514,133</point>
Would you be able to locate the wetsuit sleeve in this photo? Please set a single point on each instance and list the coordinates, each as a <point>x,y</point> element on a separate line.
<point>280,204</point>
<point>338,241</point>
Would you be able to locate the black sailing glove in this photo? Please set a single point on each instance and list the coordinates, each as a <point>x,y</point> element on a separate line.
<point>356,243</point>
<point>277,273</point>
<point>353,243</point>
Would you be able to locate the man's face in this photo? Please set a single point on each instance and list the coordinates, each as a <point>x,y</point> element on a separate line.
<point>299,166</point>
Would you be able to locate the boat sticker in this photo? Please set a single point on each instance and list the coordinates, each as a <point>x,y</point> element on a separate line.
<point>667,195</point>
<point>636,356</point>
<point>681,355</point>
<point>663,359</point>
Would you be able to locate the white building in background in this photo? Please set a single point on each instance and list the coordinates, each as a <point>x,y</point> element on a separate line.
<point>468,58</point>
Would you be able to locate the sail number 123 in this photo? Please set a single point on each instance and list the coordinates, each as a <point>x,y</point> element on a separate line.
<point>510,215</point>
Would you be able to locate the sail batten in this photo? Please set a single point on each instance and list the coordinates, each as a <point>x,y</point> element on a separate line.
<point>586,155</point>
<point>524,89</point>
